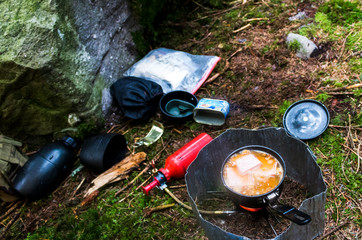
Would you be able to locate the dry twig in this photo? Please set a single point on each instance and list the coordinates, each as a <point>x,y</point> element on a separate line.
<point>155,158</point>
<point>133,180</point>
<point>11,209</point>
<point>80,184</point>
<point>343,167</point>
<point>328,90</point>
<point>356,127</point>
<point>222,11</point>
<point>255,19</point>
<point>242,28</point>
<point>333,230</point>
<point>352,151</point>
<point>11,222</point>
<point>178,186</point>
<point>225,67</point>
<point>344,44</point>
<point>158,208</point>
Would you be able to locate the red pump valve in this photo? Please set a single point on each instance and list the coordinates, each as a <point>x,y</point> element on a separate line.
<point>177,164</point>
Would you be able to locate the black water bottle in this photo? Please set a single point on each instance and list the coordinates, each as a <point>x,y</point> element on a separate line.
<point>46,169</point>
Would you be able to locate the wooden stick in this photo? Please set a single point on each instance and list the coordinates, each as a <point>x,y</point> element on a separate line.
<point>13,219</point>
<point>232,55</point>
<point>144,182</point>
<point>8,225</point>
<point>358,85</point>
<point>178,186</point>
<point>242,28</point>
<point>176,130</point>
<point>9,211</point>
<point>155,158</point>
<point>80,184</point>
<point>237,1</point>
<point>353,127</point>
<point>358,158</point>
<point>200,5</point>
<point>255,19</point>
<point>158,208</point>
<point>133,180</point>
<point>324,156</point>
<point>348,130</point>
<point>117,172</point>
<point>343,167</point>
<point>352,54</point>
<point>221,12</point>
<point>225,68</point>
<point>352,150</point>
<point>340,93</point>
<point>263,106</point>
<point>216,75</point>
<point>344,44</point>
<point>334,230</point>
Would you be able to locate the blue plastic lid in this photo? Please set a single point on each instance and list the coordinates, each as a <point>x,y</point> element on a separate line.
<point>306,119</point>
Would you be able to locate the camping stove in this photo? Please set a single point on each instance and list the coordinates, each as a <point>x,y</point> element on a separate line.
<point>203,177</point>
<point>261,213</point>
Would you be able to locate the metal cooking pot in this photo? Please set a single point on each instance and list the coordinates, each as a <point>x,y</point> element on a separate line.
<point>268,199</point>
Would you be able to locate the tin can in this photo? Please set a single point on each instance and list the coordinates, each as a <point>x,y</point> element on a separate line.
<point>211,111</point>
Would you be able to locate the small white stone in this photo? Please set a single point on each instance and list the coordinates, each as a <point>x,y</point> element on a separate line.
<point>299,16</point>
<point>307,47</point>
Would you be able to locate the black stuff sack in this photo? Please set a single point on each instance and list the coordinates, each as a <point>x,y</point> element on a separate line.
<point>137,98</point>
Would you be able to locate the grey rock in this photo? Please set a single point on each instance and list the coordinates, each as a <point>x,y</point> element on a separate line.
<point>57,57</point>
<point>306,49</point>
<point>299,16</point>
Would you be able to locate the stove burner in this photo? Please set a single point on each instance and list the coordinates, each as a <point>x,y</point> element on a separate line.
<point>251,209</point>
<point>261,213</point>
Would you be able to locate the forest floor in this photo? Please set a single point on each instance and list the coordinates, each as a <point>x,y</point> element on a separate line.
<point>260,77</point>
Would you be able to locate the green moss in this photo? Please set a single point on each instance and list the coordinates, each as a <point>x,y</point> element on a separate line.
<point>276,116</point>
<point>323,97</point>
<point>308,31</point>
<point>216,3</point>
<point>294,45</point>
<point>233,14</point>
<point>69,226</point>
<point>86,130</point>
<point>112,219</point>
<point>324,22</point>
<point>354,39</point>
<point>341,12</point>
<point>355,65</point>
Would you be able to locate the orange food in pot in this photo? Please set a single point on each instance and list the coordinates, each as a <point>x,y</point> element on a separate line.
<point>252,172</point>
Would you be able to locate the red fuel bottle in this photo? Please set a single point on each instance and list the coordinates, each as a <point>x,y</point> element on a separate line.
<point>177,164</point>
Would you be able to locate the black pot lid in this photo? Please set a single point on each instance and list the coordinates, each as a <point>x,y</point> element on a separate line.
<point>306,119</point>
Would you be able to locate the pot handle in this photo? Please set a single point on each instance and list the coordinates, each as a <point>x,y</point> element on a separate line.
<point>292,214</point>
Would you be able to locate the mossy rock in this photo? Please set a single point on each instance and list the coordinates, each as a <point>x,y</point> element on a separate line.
<point>56,58</point>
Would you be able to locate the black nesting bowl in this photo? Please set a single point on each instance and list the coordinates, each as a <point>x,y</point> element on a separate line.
<point>101,152</point>
<point>183,96</point>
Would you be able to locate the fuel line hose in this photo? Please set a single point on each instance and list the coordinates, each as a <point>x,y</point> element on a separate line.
<point>190,208</point>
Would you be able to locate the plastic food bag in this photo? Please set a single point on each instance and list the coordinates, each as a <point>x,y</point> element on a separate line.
<point>174,70</point>
<point>137,98</point>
